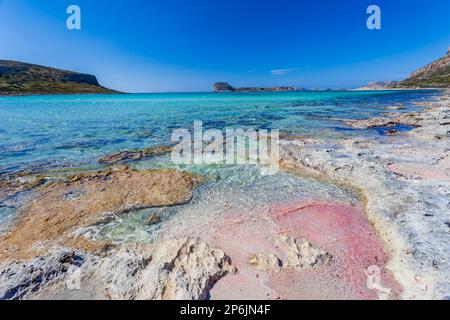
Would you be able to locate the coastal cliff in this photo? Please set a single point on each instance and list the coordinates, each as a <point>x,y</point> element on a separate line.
<point>433,75</point>
<point>18,78</point>
<point>226,87</point>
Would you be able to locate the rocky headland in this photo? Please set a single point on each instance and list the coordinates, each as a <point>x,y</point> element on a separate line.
<point>19,78</point>
<point>433,75</point>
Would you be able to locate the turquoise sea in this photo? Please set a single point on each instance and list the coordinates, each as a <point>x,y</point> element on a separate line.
<point>40,132</point>
<point>53,134</point>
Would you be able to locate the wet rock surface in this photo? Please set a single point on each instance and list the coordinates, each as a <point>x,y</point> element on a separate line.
<point>45,254</point>
<point>60,211</point>
<point>153,219</point>
<point>299,254</point>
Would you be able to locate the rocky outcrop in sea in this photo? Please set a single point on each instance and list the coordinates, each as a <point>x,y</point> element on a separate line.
<point>225,87</point>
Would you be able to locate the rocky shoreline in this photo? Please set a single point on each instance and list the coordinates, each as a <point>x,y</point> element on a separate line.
<point>299,250</point>
<point>405,184</point>
<point>48,247</point>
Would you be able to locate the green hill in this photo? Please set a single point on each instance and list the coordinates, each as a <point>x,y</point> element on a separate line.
<point>433,75</point>
<point>18,78</point>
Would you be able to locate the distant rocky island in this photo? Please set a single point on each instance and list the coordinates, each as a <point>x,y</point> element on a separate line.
<point>225,87</point>
<point>18,78</point>
<point>433,75</point>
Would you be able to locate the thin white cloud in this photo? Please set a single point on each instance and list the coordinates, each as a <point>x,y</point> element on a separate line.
<point>281,72</point>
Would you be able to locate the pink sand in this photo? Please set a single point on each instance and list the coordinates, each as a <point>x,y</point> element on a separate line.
<point>439,172</point>
<point>339,229</point>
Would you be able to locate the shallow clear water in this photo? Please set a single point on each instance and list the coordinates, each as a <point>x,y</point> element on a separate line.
<point>45,133</point>
<point>54,131</point>
<point>228,189</point>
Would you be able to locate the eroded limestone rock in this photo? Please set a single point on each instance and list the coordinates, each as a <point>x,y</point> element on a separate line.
<point>61,210</point>
<point>172,269</point>
<point>405,186</point>
<point>299,254</point>
<point>292,254</point>
<point>153,219</point>
<point>265,262</point>
<point>21,279</point>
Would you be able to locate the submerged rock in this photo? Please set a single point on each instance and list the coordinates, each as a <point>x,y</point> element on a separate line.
<point>135,155</point>
<point>13,184</point>
<point>392,132</point>
<point>153,219</point>
<point>62,210</point>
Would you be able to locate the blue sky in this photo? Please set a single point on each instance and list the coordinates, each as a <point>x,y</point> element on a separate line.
<point>186,45</point>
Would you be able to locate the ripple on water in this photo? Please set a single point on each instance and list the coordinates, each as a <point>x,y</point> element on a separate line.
<point>241,189</point>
